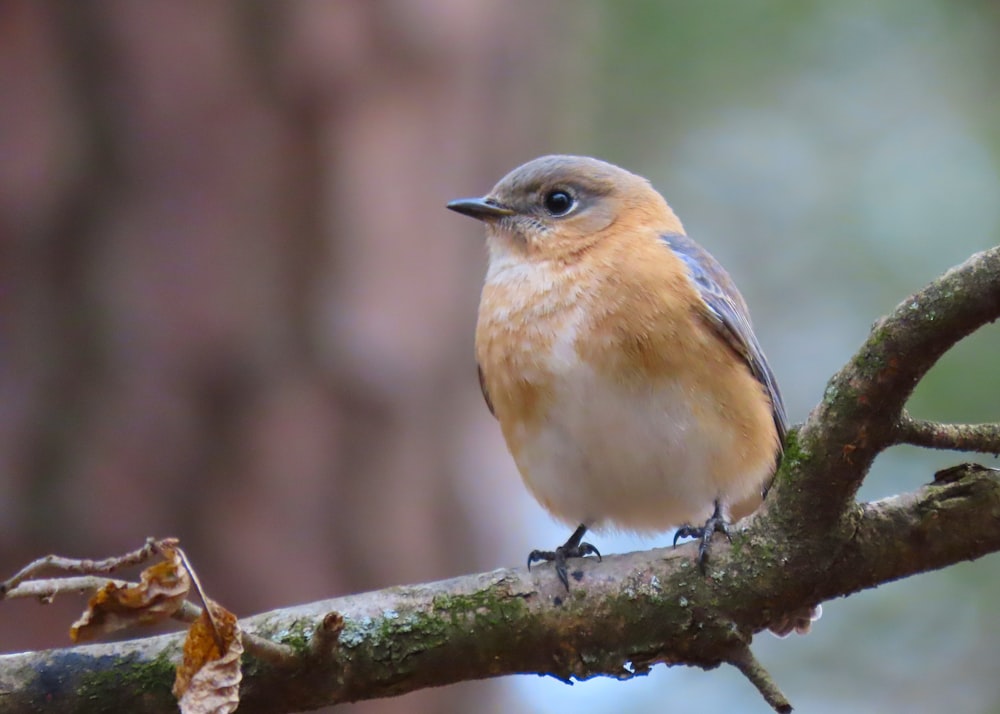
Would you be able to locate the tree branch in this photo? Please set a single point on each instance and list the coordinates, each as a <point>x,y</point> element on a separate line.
<point>628,613</point>
<point>983,438</point>
<point>811,542</point>
<point>863,402</point>
<point>745,661</point>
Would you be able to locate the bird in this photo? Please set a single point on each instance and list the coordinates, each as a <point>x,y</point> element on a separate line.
<point>619,358</point>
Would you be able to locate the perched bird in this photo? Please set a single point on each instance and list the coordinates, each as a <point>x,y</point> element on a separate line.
<point>619,358</point>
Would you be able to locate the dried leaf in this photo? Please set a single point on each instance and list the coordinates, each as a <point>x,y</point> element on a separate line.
<point>208,679</point>
<point>163,588</point>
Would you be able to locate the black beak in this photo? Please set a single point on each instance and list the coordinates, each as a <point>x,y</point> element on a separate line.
<point>483,209</point>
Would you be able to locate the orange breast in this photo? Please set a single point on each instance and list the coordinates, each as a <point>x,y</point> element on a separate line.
<point>617,400</point>
<point>527,322</point>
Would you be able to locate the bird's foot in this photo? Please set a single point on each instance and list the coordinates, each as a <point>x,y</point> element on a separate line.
<point>573,548</point>
<point>559,556</point>
<point>716,523</point>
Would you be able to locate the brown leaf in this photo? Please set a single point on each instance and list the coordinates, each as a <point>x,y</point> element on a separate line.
<point>208,679</point>
<point>163,588</point>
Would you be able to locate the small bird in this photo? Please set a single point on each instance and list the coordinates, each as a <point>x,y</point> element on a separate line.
<point>619,358</point>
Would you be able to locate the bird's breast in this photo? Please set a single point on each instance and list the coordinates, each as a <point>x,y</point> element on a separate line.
<point>529,320</point>
<point>605,430</point>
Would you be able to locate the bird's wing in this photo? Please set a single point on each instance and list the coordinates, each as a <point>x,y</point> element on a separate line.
<point>729,315</point>
<point>486,393</point>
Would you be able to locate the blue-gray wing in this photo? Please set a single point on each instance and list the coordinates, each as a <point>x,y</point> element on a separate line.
<point>729,315</point>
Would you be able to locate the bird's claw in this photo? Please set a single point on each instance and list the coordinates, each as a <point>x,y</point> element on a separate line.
<point>716,523</point>
<point>560,555</point>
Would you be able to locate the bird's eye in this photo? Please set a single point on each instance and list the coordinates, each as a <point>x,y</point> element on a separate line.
<point>558,202</point>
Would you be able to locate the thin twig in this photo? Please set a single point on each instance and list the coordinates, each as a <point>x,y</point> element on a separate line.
<point>268,650</point>
<point>326,636</point>
<point>981,438</point>
<point>81,565</point>
<point>743,659</point>
<point>188,613</point>
<point>47,588</point>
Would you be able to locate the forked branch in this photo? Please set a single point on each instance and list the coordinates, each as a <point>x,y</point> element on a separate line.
<point>810,543</point>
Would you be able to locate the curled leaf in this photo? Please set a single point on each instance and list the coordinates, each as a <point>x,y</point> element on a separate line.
<point>208,679</point>
<point>161,592</point>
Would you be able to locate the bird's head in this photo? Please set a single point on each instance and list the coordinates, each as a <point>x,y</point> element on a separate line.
<point>557,207</point>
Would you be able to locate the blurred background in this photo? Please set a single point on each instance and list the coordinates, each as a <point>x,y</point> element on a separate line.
<point>233,308</point>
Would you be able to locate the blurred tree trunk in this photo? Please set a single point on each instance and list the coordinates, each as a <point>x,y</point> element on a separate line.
<point>234,309</point>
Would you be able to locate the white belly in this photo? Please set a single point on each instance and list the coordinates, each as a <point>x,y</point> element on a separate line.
<point>607,456</point>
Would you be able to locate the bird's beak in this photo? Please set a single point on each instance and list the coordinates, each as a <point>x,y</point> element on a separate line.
<point>483,209</point>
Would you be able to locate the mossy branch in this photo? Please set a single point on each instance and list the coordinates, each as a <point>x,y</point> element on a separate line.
<point>810,543</point>
<point>862,408</point>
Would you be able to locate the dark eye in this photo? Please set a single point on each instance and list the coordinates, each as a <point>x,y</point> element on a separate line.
<point>558,202</point>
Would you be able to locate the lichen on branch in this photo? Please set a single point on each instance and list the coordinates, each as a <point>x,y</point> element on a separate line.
<point>810,543</point>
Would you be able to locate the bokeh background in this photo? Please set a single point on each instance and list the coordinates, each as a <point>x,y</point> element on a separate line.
<point>234,310</point>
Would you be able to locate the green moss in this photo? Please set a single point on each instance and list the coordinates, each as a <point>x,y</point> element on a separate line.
<point>871,359</point>
<point>738,540</point>
<point>143,679</point>
<point>298,636</point>
<point>793,457</point>
<point>490,605</point>
<point>394,635</point>
<point>877,336</point>
<point>625,609</point>
<point>765,552</point>
<point>793,448</point>
<point>840,393</point>
<point>400,633</point>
